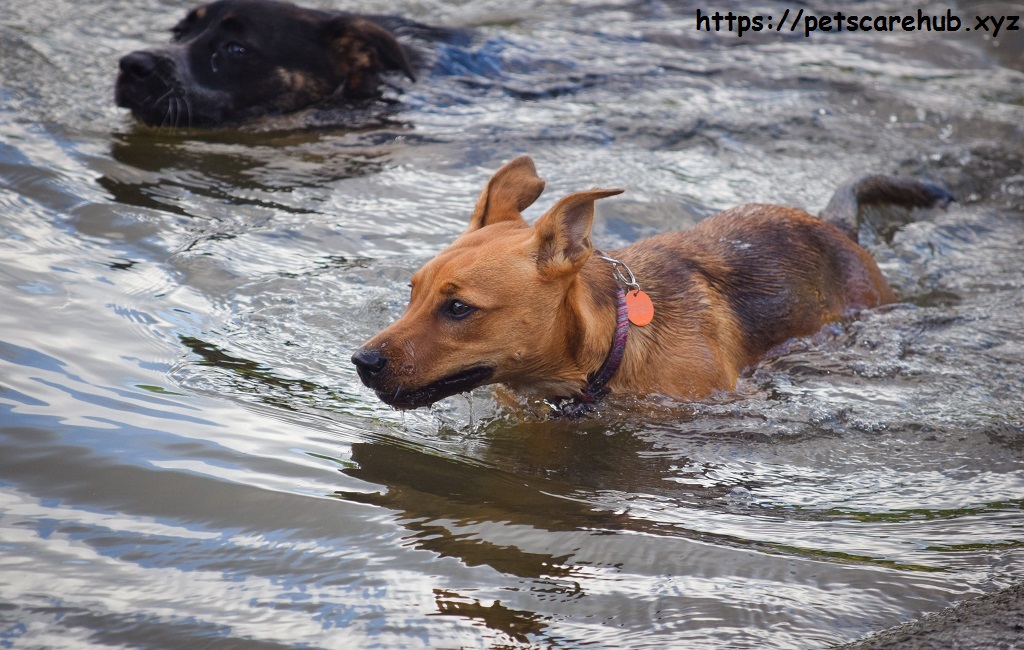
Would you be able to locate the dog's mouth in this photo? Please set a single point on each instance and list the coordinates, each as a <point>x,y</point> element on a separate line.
<point>158,88</point>
<point>157,100</point>
<point>453,384</point>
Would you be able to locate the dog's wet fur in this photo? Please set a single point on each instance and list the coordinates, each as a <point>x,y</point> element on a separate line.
<point>534,308</point>
<point>232,61</point>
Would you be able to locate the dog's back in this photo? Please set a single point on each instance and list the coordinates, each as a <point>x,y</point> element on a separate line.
<point>758,275</point>
<point>749,278</point>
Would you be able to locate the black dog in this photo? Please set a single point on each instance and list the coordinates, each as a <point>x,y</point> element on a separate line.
<point>236,60</point>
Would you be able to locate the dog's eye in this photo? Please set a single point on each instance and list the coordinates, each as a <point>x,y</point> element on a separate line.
<point>236,49</point>
<point>457,309</point>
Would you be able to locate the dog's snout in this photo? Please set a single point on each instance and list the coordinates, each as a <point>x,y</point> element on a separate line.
<point>369,363</point>
<point>139,65</point>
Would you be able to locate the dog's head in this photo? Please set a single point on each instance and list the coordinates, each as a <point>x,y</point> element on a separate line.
<point>234,60</point>
<point>492,307</point>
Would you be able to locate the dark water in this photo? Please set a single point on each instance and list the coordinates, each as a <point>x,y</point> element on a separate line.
<point>187,458</point>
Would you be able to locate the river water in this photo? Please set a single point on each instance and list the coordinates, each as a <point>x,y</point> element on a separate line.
<point>187,458</point>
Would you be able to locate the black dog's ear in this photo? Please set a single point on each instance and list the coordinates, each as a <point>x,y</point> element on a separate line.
<point>186,24</point>
<point>363,49</point>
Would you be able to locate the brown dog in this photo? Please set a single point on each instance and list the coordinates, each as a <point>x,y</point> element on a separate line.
<point>538,309</point>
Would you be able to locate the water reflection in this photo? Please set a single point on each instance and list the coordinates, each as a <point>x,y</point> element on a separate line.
<point>519,626</point>
<point>265,167</point>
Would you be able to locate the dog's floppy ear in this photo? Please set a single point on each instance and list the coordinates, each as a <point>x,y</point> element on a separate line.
<point>562,236</point>
<point>362,49</point>
<point>512,189</point>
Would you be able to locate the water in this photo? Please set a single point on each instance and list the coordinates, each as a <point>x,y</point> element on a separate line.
<point>188,459</point>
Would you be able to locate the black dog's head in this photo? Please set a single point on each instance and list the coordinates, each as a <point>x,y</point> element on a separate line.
<point>234,60</point>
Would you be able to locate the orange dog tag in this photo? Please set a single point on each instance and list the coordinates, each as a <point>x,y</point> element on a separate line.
<point>639,307</point>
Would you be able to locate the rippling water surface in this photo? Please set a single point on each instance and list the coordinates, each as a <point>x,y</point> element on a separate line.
<point>187,458</point>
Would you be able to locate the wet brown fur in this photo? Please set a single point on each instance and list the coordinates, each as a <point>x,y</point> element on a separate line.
<point>724,292</point>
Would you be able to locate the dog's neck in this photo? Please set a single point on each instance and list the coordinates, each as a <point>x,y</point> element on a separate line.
<point>597,381</point>
<point>591,318</point>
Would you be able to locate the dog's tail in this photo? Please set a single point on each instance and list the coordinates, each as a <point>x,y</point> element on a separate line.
<point>843,211</point>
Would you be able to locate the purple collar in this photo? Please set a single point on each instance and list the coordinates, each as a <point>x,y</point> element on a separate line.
<point>595,388</point>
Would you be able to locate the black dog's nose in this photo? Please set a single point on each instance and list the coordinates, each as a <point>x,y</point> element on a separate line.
<point>138,64</point>
<point>369,363</point>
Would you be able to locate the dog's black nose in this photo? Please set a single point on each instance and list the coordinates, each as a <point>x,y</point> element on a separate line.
<point>138,64</point>
<point>369,363</point>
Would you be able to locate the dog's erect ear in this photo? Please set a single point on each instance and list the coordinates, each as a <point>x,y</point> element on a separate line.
<point>512,189</point>
<point>363,49</point>
<point>562,236</point>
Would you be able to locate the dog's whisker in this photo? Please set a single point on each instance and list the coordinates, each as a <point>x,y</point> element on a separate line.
<point>167,110</point>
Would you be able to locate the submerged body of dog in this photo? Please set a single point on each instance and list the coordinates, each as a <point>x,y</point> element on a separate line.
<point>536,309</point>
<point>236,60</point>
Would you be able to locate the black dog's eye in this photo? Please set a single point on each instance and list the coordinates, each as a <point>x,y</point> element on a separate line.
<point>233,51</point>
<point>456,309</point>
